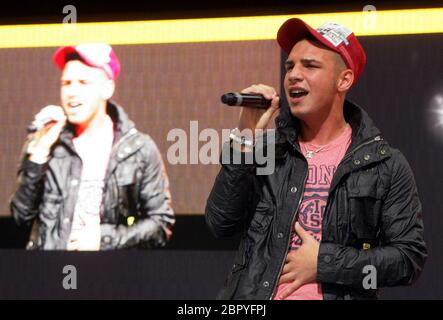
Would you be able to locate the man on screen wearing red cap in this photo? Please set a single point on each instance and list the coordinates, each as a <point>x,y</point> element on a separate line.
<point>340,215</point>
<point>88,177</point>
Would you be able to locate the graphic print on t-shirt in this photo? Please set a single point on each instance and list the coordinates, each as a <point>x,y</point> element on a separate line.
<point>312,207</point>
<point>89,200</point>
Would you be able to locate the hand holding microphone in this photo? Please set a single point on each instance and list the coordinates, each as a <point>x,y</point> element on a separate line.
<point>251,100</point>
<point>260,103</point>
<point>47,125</point>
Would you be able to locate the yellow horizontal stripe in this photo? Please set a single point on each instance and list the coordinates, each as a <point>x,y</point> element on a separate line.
<point>392,22</point>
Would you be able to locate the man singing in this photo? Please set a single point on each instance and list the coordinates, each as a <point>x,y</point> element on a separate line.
<point>341,201</point>
<point>88,178</point>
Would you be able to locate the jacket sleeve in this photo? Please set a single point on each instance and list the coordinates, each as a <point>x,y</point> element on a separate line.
<point>401,255</point>
<point>25,201</point>
<point>227,204</point>
<point>156,216</point>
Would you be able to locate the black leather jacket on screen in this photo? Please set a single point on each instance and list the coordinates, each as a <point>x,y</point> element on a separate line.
<point>136,185</point>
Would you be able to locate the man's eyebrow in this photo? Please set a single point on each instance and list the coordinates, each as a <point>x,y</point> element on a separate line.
<point>289,63</point>
<point>310,60</point>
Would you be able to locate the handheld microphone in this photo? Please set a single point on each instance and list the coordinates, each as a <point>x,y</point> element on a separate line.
<point>246,100</point>
<point>38,124</point>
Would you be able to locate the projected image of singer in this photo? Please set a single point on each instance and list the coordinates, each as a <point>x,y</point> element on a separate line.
<point>340,216</point>
<point>89,180</point>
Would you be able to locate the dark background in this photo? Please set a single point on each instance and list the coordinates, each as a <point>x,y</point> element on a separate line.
<point>403,75</point>
<point>28,11</point>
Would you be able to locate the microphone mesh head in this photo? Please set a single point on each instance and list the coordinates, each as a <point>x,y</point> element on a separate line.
<point>229,99</point>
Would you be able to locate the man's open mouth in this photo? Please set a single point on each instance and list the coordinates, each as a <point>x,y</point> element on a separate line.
<point>297,93</point>
<point>74,104</point>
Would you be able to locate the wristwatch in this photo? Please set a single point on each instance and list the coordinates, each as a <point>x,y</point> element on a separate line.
<point>235,135</point>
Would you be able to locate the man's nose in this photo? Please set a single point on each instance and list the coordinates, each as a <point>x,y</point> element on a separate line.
<point>72,89</point>
<point>295,75</point>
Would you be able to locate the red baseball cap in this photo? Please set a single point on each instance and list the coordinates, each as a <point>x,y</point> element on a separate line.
<point>98,55</point>
<point>334,36</point>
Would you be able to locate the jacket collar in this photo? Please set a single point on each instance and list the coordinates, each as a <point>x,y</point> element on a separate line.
<point>122,123</point>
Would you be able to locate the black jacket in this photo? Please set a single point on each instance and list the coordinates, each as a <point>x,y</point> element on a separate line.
<point>372,200</point>
<point>136,185</point>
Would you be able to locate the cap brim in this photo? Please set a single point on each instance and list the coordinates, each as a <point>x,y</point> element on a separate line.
<point>294,30</point>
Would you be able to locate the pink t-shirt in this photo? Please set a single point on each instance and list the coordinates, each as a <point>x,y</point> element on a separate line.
<point>322,164</point>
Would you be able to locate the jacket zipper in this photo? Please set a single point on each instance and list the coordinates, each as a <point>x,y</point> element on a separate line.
<point>377,138</point>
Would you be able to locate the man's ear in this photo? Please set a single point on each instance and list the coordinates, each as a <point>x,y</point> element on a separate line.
<point>345,80</point>
<point>108,89</point>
